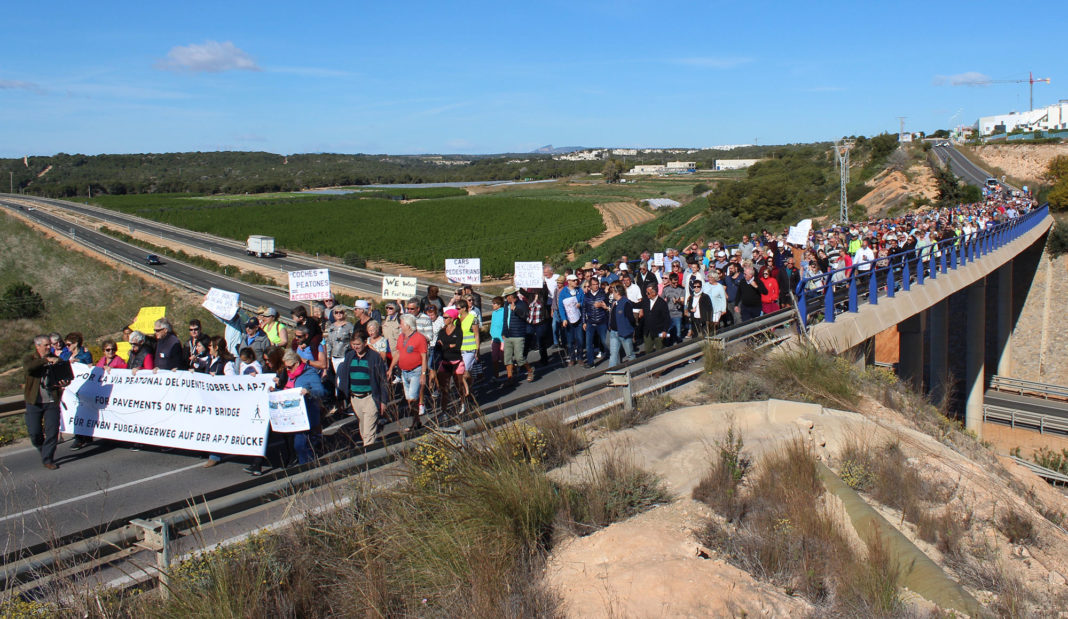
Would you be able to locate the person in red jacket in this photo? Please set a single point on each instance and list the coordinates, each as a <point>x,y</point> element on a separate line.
<point>769,300</point>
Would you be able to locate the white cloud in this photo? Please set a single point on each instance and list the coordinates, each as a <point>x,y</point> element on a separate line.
<point>969,78</point>
<point>20,85</point>
<point>208,57</point>
<point>714,62</point>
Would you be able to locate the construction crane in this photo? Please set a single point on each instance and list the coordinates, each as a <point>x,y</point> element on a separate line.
<point>1031,80</point>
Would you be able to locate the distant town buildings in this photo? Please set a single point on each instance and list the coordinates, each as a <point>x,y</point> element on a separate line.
<point>1049,118</point>
<point>625,151</point>
<point>734,164</point>
<point>671,167</point>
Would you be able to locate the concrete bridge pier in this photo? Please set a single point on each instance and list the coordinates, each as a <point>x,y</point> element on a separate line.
<point>975,357</point>
<point>910,360</point>
<point>938,334</point>
<point>1005,310</point>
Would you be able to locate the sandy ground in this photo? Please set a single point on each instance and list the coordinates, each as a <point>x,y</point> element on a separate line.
<point>892,188</point>
<point>1024,161</point>
<point>653,566</point>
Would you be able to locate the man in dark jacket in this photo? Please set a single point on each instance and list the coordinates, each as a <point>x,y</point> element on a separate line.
<point>362,378</point>
<point>657,319</point>
<point>749,291</point>
<point>595,319</point>
<point>514,335</point>
<point>42,400</point>
<point>620,325</point>
<point>169,353</point>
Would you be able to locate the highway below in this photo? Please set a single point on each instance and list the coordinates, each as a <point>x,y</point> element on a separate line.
<point>1027,404</point>
<point>366,281</point>
<point>963,167</point>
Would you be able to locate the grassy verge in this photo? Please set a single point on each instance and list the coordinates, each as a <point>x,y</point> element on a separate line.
<point>79,293</point>
<point>465,533</point>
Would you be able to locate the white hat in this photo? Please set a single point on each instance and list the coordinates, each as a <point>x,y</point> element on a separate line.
<point>572,276</point>
<point>623,266</point>
<point>361,304</point>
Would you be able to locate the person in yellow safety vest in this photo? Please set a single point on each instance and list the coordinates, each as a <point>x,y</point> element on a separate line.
<point>275,330</point>
<point>469,328</point>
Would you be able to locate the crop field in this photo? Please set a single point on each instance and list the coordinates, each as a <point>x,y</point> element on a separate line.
<point>499,229</point>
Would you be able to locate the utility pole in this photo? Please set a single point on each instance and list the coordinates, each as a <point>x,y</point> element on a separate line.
<point>841,151</point>
<point>901,133</point>
<point>11,179</point>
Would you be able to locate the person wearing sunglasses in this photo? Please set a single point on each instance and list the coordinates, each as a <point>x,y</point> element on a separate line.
<point>111,360</point>
<point>169,353</point>
<point>336,337</point>
<point>78,352</point>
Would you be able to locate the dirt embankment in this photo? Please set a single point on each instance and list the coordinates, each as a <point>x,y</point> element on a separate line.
<point>892,188</point>
<point>1026,162</point>
<point>654,564</point>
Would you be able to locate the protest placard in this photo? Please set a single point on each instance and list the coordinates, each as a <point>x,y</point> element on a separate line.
<point>216,414</point>
<point>310,285</point>
<point>397,287</point>
<point>464,270</point>
<point>222,303</point>
<point>528,275</point>
<point>798,235</point>
<point>658,259</point>
<point>288,413</point>
<point>146,319</point>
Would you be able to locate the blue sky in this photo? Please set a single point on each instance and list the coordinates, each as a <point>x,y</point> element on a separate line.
<point>442,77</point>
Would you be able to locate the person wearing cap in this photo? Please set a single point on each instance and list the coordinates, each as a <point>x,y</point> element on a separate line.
<point>254,338</point>
<point>569,305</point>
<point>470,328</point>
<point>451,367</point>
<point>514,334</point>
<point>361,311</point>
<point>721,260</point>
<point>275,330</point>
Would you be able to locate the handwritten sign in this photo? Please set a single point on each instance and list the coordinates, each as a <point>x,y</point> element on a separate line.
<point>288,413</point>
<point>464,270</point>
<point>528,275</point>
<point>658,259</point>
<point>146,319</point>
<point>309,285</point>
<point>222,303</point>
<point>396,287</point>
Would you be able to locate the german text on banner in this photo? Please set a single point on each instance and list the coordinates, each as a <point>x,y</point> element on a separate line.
<point>464,270</point>
<point>217,414</point>
<point>310,285</point>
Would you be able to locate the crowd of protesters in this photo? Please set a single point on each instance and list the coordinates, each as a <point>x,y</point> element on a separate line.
<point>425,353</point>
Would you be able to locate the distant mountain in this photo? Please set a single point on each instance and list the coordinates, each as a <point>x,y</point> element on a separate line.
<point>563,150</point>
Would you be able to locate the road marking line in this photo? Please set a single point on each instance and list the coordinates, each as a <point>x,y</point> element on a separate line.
<point>104,491</point>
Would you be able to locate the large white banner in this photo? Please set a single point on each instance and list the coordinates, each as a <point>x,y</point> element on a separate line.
<point>528,275</point>
<point>464,270</point>
<point>222,303</point>
<point>396,287</point>
<point>216,414</point>
<point>310,285</point>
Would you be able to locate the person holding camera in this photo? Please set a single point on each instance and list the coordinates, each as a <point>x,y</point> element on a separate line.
<point>46,376</point>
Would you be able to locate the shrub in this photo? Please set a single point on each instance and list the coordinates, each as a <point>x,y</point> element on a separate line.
<point>1016,527</point>
<point>1051,460</point>
<point>645,408</point>
<point>720,488</point>
<point>354,259</point>
<point>20,301</point>
<point>615,489</point>
<point>561,440</point>
<point>700,188</point>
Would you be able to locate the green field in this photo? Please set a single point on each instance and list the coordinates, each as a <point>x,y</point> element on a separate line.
<point>499,229</point>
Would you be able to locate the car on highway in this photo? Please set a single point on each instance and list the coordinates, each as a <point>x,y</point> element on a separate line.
<point>153,259</point>
<point>991,183</point>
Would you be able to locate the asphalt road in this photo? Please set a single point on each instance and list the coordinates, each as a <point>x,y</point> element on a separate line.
<point>254,295</point>
<point>341,275</point>
<point>963,167</point>
<point>1027,404</point>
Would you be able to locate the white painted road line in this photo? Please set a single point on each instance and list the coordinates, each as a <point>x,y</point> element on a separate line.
<point>99,492</point>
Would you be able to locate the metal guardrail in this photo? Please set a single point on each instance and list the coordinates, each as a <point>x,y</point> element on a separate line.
<point>1048,474</point>
<point>1044,424</point>
<point>898,272</point>
<point>1019,386</point>
<point>23,568</point>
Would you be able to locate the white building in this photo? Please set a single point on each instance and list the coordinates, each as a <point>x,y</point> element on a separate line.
<point>646,169</point>
<point>734,164</point>
<point>625,151</point>
<point>1049,118</point>
<point>681,166</point>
